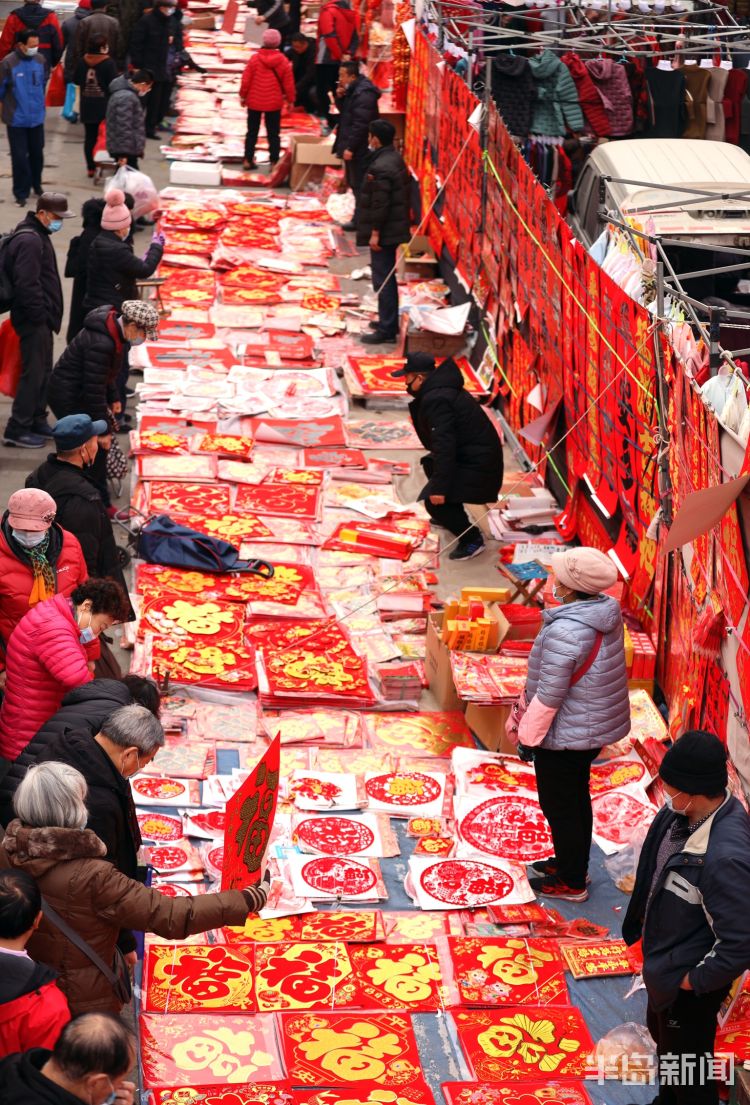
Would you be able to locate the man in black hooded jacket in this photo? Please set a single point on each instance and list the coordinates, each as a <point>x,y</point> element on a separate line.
<point>465,462</point>
<point>357,101</point>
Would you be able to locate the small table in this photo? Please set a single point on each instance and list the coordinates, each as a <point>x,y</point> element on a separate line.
<point>527,579</point>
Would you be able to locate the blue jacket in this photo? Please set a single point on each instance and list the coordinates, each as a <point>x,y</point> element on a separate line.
<point>697,921</point>
<point>22,89</point>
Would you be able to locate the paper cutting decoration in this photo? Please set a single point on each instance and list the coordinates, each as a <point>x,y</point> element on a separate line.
<point>332,877</point>
<point>179,857</point>
<point>367,434</point>
<point>257,1093</point>
<point>225,445</point>
<point>434,733</point>
<point>285,499</point>
<point>196,978</point>
<point>467,883</point>
<point>249,819</point>
<point>303,976</point>
<point>159,826</point>
<point>355,926</point>
<point>360,1094</point>
<point>234,1049</point>
<point>153,790</point>
<point>510,826</point>
<point>530,1093</point>
<point>616,773</point>
<point>418,928</point>
<point>500,970</point>
<point>185,498</point>
<point>398,976</point>
<point>323,431</point>
<point>346,836</point>
<point>263,930</point>
<point>598,960</point>
<point>346,1049</point>
<point>527,1042</point>
<point>401,793</point>
<point>321,790</point>
<point>616,814</point>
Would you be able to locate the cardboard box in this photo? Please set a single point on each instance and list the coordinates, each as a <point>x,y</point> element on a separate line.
<point>438,667</point>
<point>487,723</point>
<point>417,257</point>
<point>310,154</point>
<point>206,174</point>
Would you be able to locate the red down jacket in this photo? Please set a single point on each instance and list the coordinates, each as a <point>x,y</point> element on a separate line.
<point>17,577</point>
<point>33,1009</point>
<point>45,660</point>
<point>268,80</point>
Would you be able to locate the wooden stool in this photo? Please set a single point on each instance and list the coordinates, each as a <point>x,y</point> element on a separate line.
<point>154,282</point>
<point>527,579</point>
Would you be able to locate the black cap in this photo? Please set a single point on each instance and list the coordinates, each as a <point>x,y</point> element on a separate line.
<point>696,764</point>
<point>420,363</point>
<point>56,203</point>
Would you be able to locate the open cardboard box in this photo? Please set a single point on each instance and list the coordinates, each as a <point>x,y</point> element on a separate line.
<point>487,723</point>
<point>438,659</point>
<point>310,154</point>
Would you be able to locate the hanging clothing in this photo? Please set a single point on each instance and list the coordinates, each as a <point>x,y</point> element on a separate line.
<point>717,83</point>
<point>557,108</point>
<point>611,82</point>
<point>734,94</point>
<point>635,70</point>
<point>597,121</point>
<point>696,86</point>
<point>667,94</point>
<point>514,92</point>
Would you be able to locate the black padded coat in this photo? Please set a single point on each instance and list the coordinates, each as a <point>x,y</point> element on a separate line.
<point>150,44</point>
<point>113,269</point>
<point>32,266</point>
<point>384,199</point>
<point>83,380</point>
<point>357,109</point>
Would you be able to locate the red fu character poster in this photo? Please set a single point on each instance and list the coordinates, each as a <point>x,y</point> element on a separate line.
<point>249,818</point>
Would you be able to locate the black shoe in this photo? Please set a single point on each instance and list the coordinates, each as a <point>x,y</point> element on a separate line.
<point>348,226</point>
<point>24,440</point>
<point>377,337</point>
<point>552,887</point>
<point>20,203</point>
<point>151,134</point>
<point>467,550</point>
<point>42,428</point>
<point>38,191</point>
<point>374,325</point>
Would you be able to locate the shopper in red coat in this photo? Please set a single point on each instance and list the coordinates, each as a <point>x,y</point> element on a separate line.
<point>38,559</point>
<point>47,657</point>
<point>268,81</point>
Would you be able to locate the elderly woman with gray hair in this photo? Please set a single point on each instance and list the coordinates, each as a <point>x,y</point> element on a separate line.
<point>50,842</point>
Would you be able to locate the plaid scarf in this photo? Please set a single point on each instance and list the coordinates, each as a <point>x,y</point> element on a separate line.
<point>44,578</point>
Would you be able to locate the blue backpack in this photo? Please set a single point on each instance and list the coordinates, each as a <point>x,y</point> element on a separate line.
<point>164,541</point>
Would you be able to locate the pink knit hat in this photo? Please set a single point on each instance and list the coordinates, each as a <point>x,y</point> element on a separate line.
<point>31,509</point>
<point>584,569</point>
<point>116,215</point>
<point>271,39</point>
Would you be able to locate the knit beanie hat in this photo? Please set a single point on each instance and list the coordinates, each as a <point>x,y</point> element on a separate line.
<point>696,764</point>
<point>116,215</point>
<point>271,39</point>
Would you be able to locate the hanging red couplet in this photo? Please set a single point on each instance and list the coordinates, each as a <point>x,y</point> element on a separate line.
<point>249,819</point>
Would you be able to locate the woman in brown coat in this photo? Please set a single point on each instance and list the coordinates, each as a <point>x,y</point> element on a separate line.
<point>49,841</point>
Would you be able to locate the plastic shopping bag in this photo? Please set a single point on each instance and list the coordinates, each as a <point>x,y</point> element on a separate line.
<point>56,88</point>
<point>69,107</point>
<point>10,359</point>
<point>139,186</point>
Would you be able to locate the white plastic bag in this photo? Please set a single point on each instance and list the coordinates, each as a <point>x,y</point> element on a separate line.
<point>627,1053</point>
<point>623,865</point>
<point>139,186</point>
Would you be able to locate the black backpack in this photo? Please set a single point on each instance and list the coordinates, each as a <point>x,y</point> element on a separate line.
<point>6,280</point>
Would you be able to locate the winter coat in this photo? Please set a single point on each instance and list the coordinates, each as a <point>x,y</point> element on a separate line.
<point>267,81</point>
<point>96,900</point>
<point>303,71</point>
<point>69,30</point>
<point>696,100</point>
<point>44,22</point>
<point>611,82</point>
<point>64,556</point>
<point>23,81</point>
<point>153,40</point>
<point>32,265</point>
<point>666,89</point>
<point>33,1009</point>
<point>596,118</point>
<point>114,269</point>
<point>126,120</point>
<point>93,75</point>
<point>357,109</point>
<point>514,92</point>
<point>22,1081</point>
<point>77,262</point>
<point>44,660</point>
<point>596,710</point>
<point>83,380</point>
<point>80,509</point>
<point>384,199</point>
<point>97,23</point>
<point>466,457</point>
<point>338,32</point>
<point>273,12</point>
<point>734,94</point>
<point>84,709</point>
<point>697,921</point>
<point>557,108</point>
<point>715,124</point>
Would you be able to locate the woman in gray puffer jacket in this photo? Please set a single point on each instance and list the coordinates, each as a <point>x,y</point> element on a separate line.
<point>577,694</point>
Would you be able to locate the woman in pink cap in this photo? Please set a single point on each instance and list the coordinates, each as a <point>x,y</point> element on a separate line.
<point>578,702</point>
<point>38,559</point>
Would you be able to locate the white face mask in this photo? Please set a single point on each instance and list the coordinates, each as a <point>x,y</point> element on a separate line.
<point>27,538</point>
<point>32,51</point>
<point>556,594</point>
<point>669,803</point>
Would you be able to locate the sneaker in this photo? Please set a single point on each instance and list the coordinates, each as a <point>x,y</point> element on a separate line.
<point>24,440</point>
<point>548,867</point>
<point>467,550</point>
<point>377,337</point>
<point>552,887</point>
<point>20,203</point>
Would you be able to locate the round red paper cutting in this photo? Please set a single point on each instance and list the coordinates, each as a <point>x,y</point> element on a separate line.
<point>159,788</point>
<point>403,788</point>
<point>212,822</point>
<point>616,773</point>
<point>338,877</point>
<point>157,826</point>
<point>335,836</point>
<point>466,883</point>
<point>165,858</point>
<point>616,815</point>
<point>514,828</point>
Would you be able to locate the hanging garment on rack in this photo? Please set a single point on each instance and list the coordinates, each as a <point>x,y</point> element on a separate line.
<point>597,121</point>
<point>611,82</point>
<point>717,83</point>
<point>734,94</point>
<point>635,69</point>
<point>667,93</point>
<point>514,92</point>
<point>564,182</point>
<point>557,108</point>
<point>696,86</point>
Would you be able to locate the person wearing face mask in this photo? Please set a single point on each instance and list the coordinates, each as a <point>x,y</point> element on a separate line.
<point>465,461</point>
<point>65,475</point>
<point>38,559</point>
<point>23,78</point>
<point>94,73</point>
<point>577,696</point>
<point>36,314</point>
<point>126,117</point>
<point>47,656</point>
<point>689,908</point>
<point>113,267</point>
<point>155,44</point>
<point>89,1065</point>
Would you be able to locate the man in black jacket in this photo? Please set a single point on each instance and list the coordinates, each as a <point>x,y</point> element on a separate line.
<point>301,54</point>
<point>383,224</point>
<point>689,907</point>
<point>80,508</point>
<point>155,44</point>
<point>357,103</point>
<point>36,314</point>
<point>465,462</point>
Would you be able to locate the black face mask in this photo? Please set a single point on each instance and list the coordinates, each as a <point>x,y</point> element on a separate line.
<point>410,388</point>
